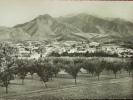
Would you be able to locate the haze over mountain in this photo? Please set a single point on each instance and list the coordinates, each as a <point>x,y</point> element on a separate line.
<point>79,27</point>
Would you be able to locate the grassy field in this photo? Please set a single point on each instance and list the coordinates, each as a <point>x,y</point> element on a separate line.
<point>63,87</point>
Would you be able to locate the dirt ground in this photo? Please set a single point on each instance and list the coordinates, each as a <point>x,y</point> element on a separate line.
<point>63,87</point>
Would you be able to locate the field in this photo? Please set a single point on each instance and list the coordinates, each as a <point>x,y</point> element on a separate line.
<point>63,87</point>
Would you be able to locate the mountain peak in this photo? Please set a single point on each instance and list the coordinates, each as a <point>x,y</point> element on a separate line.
<point>45,16</point>
<point>72,25</point>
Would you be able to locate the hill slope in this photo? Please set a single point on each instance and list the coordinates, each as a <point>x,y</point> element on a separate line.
<point>46,26</point>
<point>13,33</point>
<point>79,27</point>
<point>91,24</point>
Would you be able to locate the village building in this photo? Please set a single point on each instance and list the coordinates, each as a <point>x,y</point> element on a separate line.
<point>94,44</point>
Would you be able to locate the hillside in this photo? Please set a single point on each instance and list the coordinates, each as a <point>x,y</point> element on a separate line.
<point>78,27</point>
<point>13,33</point>
<point>91,24</point>
<point>45,26</point>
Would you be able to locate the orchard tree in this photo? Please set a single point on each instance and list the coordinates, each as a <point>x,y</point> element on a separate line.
<point>56,68</point>
<point>121,65</point>
<point>89,66</point>
<point>108,67</point>
<point>43,77</point>
<point>48,68</point>
<point>115,66</point>
<point>99,65</point>
<point>15,71</point>
<point>6,76</point>
<point>22,69</point>
<point>42,73</point>
<point>73,68</point>
<point>22,73</point>
<point>10,64</point>
<point>31,68</point>
<point>66,61</point>
<point>129,67</point>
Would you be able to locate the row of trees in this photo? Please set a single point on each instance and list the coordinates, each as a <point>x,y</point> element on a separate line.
<point>87,54</point>
<point>48,67</point>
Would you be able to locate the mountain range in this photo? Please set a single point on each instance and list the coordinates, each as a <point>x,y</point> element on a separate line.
<point>79,27</point>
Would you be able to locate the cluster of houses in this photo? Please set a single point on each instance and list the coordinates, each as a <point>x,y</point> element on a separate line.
<point>32,47</point>
<point>26,50</point>
<point>94,47</point>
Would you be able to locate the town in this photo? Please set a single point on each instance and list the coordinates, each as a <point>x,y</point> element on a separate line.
<point>32,49</point>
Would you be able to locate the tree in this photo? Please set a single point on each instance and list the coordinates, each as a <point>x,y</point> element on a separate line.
<point>6,76</point>
<point>57,65</point>
<point>48,68</point>
<point>41,49</point>
<point>121,65</point>
<point>99,66</point>
<point>22,69</point>
<point>31,68</point>
<point>43,77</point>
<point>65,54</point>
<point>56,68</point>
<point>15,72</point>
<point>122,53</point>
<point>129,67</point>
<point>88,65</point>
<point>55,54</point>
<point>10,63</point>
<point>8,58</point>
<point>115,67</point>
<point>108,67</point>
<point>22,73</point>
<point>73,68</point>
<point>42,73</point>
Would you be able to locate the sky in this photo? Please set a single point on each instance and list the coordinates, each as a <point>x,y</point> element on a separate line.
<point>13,12</point>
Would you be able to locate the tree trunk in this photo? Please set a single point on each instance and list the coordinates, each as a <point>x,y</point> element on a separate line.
<point>92,74</point>
<point>32,77</point>
<point>22,81</point>
<point>45,85</point>
<point>98,77</point>
<point>120,71</point>
<point>108,72</point>
<point>129,73</point>
<point>6,89</point>
<point>75,81</point>
<point>51,78</point>
<point>115,75</point>
<point>55,75</point>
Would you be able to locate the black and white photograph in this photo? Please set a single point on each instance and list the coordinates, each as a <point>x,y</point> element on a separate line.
<point>66,50</point>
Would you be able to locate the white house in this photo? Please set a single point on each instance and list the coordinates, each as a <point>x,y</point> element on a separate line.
<point>72,50</point>
<point>94,44</point>
<point>35,56</point>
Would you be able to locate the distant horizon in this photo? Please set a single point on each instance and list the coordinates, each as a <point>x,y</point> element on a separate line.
<point>15,12</point>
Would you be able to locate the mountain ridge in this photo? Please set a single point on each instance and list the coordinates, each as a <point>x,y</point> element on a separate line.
<point>45,27</point>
